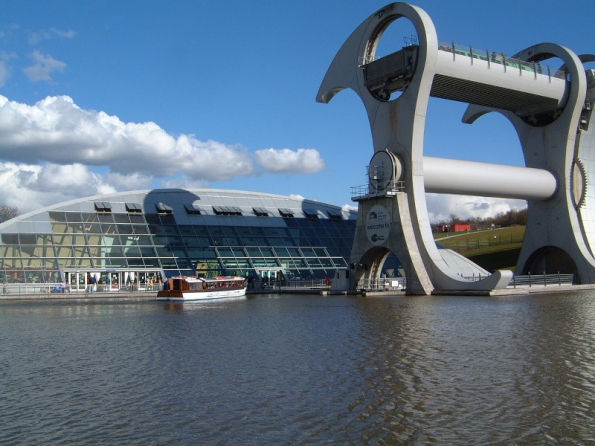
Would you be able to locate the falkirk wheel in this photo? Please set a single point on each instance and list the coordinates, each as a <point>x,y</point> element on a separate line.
<point>550,111</point>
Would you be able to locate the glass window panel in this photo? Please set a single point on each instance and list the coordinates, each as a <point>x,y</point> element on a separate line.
<point>281,241</point>
<point>125,229</point>
<point>56,217</point>
<point>320,274</point>
<point>59,228</point>
<point>50,263</point>
<point>232,263</point>
<point>93,228</point>
<point>225,252</point>
<point>270,232</point>
<point>171,230</point>
<point>94,239</point>
<point>228,231</point>
<point>202,241</point>
<point>45,239</point>
<point>327,242</point>
<point>62,239</point>
<point>244,231</point>
<point>310,233</point>
<point>108,229</point>
<point>118,262</point>
<point>257,231</point>
<point>148,251</point>
<point>238,252</point>
<point>264,263</point>
<point>27,239</point>
<point>140,229</point>
<point>186,230</point>
<point>314,263</point>
<point>198,254</point>
<point>320,252</point>
<point>136,218</point>
<point>109,240</point>
<point>184,262</point>
<point>105,218</point>
<point>201,230</point>
<point>284,232</point>
<point>89,218</point>
<point>121,218</point>
<point>76,228</point>
<point>144,240</point>
<point>339,262</point>
<point>281,252</point>
<point>253,251</point>
<point>153,219</point>
<point>135,262</point>
<point>84,262</point>
<point>95,251</point>
<point>11,262</point>
<point>79,240</point>
<point>114,251</point>
<point>230,241</point>
<point>162,251</point>
<point>169,262</point>
<point>326,262</point>
<point>175,240</point>
<point>10,239</point>
<point>68,262</point>
<point>333,252</point>
<point>132,251</point>
<point>308,252</point>
<point>160,240</point>
<point>73,216</point>
<point>267,252</point>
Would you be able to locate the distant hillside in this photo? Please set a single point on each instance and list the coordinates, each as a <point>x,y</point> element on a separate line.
<point>491,249</point>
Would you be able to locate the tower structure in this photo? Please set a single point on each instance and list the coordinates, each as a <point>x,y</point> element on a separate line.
<point>550,110</point>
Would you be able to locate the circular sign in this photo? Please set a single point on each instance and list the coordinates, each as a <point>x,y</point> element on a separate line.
<point>377,224</point>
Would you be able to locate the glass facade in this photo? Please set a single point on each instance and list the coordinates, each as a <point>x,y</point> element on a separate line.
<point>135,239</point>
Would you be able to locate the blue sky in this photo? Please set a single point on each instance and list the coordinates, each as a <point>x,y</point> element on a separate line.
<point>104,96</point>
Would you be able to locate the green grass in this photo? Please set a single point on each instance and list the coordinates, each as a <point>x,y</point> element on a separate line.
<point>492,249</point>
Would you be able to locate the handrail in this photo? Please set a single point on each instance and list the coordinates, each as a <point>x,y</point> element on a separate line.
<point>367,191</point>
<point>499,58</point>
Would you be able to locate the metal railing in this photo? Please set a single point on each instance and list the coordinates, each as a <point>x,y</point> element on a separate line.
<point>382,284</point>
<point>500,58</point>
<point>541,280</point>
<point>367,191</point>
<point>47,289</point>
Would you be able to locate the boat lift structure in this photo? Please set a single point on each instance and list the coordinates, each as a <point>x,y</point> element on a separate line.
<point>550,111</point>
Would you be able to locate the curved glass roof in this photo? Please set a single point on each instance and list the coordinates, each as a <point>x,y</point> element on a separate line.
<point>141,236</point>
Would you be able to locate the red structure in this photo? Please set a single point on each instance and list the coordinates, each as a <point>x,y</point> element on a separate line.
<point>454,228</point>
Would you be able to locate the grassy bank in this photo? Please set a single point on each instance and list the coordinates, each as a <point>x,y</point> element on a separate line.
<point>492,249</point>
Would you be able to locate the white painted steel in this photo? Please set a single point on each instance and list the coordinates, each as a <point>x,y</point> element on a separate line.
<point>449,176</point>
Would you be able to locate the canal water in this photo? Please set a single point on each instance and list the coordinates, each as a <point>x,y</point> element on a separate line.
<point>299,369</point>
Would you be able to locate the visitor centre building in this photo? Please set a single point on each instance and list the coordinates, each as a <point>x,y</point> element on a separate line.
<point>136,239</point>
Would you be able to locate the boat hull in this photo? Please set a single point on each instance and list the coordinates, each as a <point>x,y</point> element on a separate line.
<point>189,296</point>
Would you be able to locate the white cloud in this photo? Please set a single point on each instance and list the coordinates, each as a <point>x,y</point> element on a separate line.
<point>43,67</point>
<point>30,187</point>
<point>52,151</point>
<point>56,130</point>
<point>36,37</point>
<point>441,207</point>
<point>289,161</point>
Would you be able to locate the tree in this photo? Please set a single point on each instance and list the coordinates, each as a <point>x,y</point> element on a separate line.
<point>8,212</point>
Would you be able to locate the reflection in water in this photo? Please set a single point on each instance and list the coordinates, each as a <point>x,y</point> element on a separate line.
<point>291,369</point>
<point>523,366</point>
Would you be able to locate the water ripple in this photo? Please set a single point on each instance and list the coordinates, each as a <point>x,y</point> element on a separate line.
<point>300,370</point>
